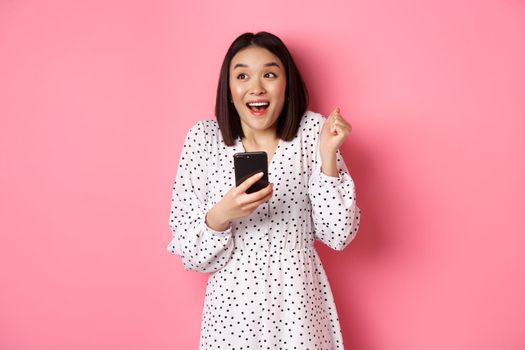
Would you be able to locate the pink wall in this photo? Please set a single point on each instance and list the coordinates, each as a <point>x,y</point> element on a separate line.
<point>96,96</point>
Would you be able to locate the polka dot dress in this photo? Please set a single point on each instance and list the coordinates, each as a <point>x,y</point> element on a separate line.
<point>267,288</point>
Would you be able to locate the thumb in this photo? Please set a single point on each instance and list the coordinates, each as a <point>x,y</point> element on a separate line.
<point>337,110</point>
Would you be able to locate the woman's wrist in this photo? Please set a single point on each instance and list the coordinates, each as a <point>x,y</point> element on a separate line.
<point>215,221</point>
<point>329,164</point>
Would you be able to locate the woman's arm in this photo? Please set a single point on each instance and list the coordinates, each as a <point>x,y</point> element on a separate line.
<point>331,189</point>
<point>201,248</point>
<point>329,164</point>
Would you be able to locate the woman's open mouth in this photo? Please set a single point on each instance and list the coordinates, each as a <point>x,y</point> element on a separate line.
<point>258,108</point>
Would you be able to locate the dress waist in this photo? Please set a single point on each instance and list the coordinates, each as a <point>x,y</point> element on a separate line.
<point>273,250</point>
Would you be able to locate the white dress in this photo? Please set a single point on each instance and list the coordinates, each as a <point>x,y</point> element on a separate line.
<point>267,288</point>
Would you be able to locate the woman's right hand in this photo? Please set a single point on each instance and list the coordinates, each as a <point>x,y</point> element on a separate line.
<point>236,203</point>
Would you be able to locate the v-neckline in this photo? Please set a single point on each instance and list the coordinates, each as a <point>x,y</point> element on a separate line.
<point>275,153</point>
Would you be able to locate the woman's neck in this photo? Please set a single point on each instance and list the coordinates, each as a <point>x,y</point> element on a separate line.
<point>258,139</point>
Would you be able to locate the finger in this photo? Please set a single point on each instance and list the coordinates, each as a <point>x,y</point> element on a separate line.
<point>336,111</point>
<point>255,196</point>
<point>343,123</point>
<point>342,130</point>
<point>335,116</point>
<point>256,204</point>
<point>250,181</point>
<point>340,119</point>
<point>333,125</point>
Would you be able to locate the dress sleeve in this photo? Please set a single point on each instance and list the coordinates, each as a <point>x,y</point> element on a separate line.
<point>200,248</point>
<point>335,214</point>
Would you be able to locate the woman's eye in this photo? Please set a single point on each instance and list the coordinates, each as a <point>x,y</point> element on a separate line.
<point>272,75</point>
<point>242,76</point>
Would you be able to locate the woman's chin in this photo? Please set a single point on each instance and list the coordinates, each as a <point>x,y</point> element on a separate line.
<point>259,121</point>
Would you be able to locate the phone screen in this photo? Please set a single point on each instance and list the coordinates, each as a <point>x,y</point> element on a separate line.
<point>248,164</point>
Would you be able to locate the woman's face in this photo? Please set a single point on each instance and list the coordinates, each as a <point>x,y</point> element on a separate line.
<point>257,76</point>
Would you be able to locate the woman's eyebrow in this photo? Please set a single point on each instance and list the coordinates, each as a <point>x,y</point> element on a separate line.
<point>269,64</point>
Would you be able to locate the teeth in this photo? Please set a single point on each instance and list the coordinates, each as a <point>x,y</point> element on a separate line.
<point>258,104</point>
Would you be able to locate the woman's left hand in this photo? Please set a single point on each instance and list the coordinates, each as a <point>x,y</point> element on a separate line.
<point>335,130</point>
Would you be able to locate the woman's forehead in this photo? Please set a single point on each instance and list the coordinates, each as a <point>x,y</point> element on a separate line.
<point>255,57</point>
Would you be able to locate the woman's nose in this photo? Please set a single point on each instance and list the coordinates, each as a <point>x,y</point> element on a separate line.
<point>257,87</point>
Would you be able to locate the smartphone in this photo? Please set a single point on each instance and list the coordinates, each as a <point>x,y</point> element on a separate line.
<point>250,163</point>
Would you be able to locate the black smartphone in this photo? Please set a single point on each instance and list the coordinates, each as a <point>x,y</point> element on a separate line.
<point>250,163</point>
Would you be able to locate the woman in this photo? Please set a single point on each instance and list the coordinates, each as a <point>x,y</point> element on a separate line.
<point>267,288</point>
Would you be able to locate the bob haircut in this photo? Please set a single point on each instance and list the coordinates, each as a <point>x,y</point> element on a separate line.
<point>296,95</point>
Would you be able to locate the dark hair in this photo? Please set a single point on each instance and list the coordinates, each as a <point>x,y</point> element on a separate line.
<point>296,99</point>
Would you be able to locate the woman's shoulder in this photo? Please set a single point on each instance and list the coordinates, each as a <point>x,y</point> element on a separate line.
<point>311,122</point>
<point>206,131</point>
<point>313,116</point>
<point>205,126</point>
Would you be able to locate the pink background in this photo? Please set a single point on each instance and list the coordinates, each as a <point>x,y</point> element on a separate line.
<point>96,97</point>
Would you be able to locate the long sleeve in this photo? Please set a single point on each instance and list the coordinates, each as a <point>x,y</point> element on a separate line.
<point>335,214</point>
<point>200,248</point>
